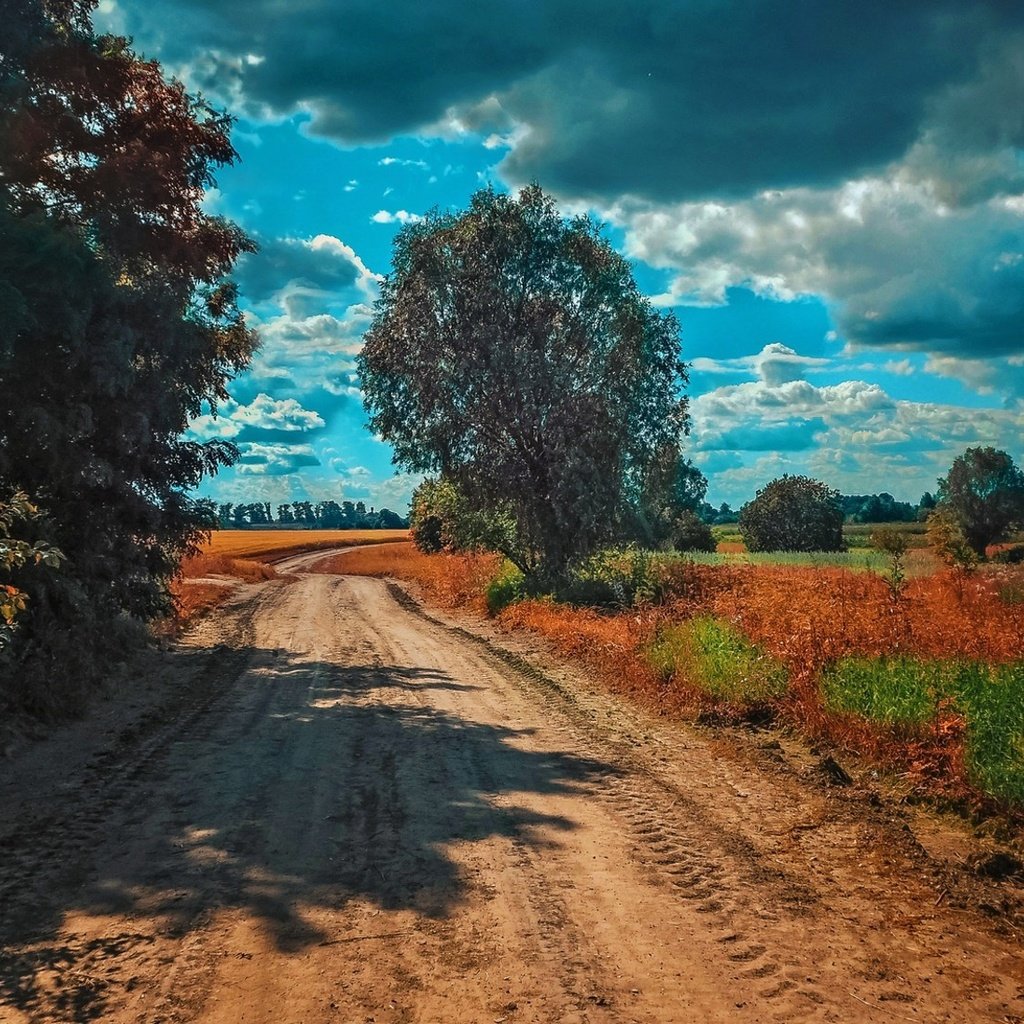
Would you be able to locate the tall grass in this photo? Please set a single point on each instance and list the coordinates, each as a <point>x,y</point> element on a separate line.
<point>897,691</point>
<point>713,655</point>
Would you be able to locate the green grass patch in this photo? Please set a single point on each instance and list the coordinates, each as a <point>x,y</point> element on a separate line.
<point>714,655</point>
<point>897,691</point>
<point>991,698</point>
<point>906,691</point>
<point>863,560</point>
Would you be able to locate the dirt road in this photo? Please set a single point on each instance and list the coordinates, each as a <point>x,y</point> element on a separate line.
<point>349,811</point>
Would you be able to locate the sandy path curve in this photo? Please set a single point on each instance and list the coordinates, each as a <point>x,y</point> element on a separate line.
<point>357,813</point>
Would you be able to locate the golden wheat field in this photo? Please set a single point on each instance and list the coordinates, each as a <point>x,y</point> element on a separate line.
<point>275,543</point>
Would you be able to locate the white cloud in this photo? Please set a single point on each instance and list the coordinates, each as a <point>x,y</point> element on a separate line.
<point>775,363</point>
<point>262,413</point>
<point>393,161</point>
<point>396,217</point>
<point>900,367</point>
<point>275,459</point>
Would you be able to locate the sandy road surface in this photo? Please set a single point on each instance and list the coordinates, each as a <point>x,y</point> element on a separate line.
<point>352,812</point>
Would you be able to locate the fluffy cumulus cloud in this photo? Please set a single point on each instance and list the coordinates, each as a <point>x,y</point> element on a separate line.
<point>262,414</point>
<point>258,459</point>
<point>396,217</point>
<point>305,276</point>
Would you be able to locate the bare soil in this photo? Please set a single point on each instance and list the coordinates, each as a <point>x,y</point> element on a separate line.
<point>327,804</point>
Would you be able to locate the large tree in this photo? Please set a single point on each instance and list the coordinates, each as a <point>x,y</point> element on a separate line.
<point>984,491</point>
<point>512,352</point>
<point>117,321</point>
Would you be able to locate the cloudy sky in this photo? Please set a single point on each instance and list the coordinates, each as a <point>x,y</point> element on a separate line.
<point>830,196</point>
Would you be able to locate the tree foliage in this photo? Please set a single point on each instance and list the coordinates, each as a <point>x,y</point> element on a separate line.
<point>442,519</point>
<point>117,320</point>
<point>793,513</point>
<point>16,554</point>
<point>665,514</point>
<point>984,492</point>
<point>512,353</point>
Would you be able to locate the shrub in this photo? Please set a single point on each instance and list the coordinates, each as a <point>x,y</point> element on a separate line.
<point>690,533</point>
<point>892,542</point>
<point>1010,556</point>
<point>506,588</point>
<point>793,513</point>
<point>443,520</point>
<point>949,542</point>
<point>714,655</point>
<point>616,578</point>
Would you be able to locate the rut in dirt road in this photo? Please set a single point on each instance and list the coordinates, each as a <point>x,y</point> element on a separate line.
<point>352,812</point>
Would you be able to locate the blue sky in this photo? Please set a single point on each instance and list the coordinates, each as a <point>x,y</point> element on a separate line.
<point>830,197</point>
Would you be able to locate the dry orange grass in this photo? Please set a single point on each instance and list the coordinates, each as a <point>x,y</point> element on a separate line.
<point>451,580</point>
<point>192,599</point>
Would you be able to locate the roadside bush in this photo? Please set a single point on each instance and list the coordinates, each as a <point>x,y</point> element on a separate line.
<point>950,543</point>
<point>506,588</point>
<point>443,520</point>
<point>715,656</point>
<point>617,578</point>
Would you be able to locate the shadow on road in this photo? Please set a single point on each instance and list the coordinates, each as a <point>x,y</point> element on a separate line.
<point>294,789</point>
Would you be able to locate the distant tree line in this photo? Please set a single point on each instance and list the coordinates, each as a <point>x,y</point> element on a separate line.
<point>856,508</point>
<point>979,502</point>
<point>308,515</point>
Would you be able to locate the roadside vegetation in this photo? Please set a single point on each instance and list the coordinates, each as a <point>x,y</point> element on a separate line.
<point>928,684</point>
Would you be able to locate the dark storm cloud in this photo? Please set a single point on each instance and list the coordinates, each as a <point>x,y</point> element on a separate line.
<point>657,99</point>
<point>284,261</point>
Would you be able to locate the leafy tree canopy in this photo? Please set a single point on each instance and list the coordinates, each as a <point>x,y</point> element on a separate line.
<point>984,491</point>
<point>512,353</point>
<point>793,513</point>
<point>117,321</point>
